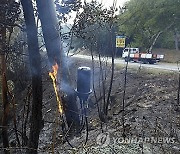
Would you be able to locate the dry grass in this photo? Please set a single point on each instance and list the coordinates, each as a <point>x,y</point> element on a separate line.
<point>170,56</point>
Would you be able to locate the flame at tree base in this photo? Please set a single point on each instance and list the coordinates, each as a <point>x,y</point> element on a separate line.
<point>53,76</point>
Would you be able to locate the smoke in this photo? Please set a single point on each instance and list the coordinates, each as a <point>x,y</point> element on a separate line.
<point>66,87</point>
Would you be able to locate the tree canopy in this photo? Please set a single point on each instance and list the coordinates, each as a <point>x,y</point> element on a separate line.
<point>146,20</point>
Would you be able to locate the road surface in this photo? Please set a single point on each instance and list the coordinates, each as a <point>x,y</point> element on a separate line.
<point>160,66</point>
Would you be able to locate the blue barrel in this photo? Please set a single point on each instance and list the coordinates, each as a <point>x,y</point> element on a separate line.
<point>84,80</point>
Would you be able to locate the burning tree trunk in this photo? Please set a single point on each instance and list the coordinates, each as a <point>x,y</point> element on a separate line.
<point>47,15</point>
<point>35,64</point>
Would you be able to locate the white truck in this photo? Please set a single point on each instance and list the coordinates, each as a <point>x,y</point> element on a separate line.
<point>133,54</point>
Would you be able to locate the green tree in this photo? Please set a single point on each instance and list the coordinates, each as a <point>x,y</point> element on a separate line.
<point>146,20</point>
<point>93,28</point>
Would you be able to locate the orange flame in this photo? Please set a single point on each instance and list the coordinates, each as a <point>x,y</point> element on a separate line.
<point>53,76</point>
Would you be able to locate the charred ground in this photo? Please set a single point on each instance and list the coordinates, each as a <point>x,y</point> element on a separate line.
<point>151,111</point>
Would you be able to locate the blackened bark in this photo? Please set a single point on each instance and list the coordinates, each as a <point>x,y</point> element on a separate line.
<point>4,86</point>
<point>5,106</point>
<point>176,39</point>
<point>112,69</point>
<point>49,25</point>
<point>47,15</point>
<point>35,64</point>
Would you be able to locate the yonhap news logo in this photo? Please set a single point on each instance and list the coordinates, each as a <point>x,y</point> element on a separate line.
<point>137,140</point>
<point>105,139</point>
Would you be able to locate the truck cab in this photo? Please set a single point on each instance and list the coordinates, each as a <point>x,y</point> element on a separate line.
<point>128,51</point>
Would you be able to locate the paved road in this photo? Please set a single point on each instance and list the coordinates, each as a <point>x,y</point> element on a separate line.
<point>160,66</point>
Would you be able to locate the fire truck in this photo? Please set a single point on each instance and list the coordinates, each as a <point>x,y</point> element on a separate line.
<point>133,54</point>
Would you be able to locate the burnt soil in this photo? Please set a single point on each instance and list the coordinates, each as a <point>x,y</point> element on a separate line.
<point>151,111</point>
